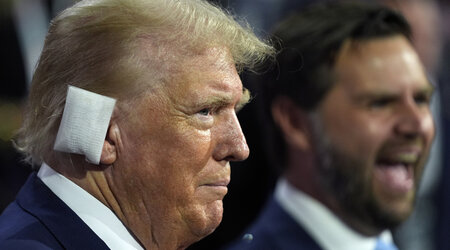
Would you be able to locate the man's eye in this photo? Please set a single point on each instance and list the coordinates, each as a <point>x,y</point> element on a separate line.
<point>422,99</point>
<point>205,112</point>
<point>380,103</point>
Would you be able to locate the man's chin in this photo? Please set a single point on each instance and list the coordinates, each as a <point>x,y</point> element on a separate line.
<point>401,213</point>
<point>392,214</point>
<point>214,213</point>
<point>207,219</point>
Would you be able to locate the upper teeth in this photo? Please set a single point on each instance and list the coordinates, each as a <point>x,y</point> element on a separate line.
<point>406,158</point>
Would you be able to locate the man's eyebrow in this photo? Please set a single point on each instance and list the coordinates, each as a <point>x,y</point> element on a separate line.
<point>375,95</point>
<point>222,101</point>
<point>244,99</point>
<point>427,90</point>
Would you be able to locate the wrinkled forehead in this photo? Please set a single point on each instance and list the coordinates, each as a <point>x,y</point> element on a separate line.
<point>211,66</point>
<point>180,70</point>
<point>173,57</point>
<point>209,63</point>
<point>217,57</point>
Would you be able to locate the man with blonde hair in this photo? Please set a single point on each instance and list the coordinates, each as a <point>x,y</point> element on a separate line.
<point>132,121</point>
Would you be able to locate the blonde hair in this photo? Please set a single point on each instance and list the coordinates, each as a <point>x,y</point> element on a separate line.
<point>97,45</point>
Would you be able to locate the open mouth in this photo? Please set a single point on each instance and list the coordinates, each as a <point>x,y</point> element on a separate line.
<point>395,172</point>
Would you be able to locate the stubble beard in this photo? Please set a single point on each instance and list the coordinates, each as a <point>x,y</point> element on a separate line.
<point>348,181</point>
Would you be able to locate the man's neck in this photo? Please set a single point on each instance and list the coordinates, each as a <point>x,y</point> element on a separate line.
<point>324,226</point>
<point>312,187</point>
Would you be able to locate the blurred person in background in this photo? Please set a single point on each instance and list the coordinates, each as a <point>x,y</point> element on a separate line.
<point>350,99</point>
<point>429,226</point>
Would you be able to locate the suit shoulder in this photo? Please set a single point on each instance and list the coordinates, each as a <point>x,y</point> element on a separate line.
<point>19,229</point>
<point>275,229</point>
<point>13,244</point>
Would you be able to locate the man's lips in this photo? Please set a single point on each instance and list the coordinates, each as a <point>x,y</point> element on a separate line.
<point>214,190</point>
<point>402,159</point>
<point>219,183</point>
<point>409,154</point>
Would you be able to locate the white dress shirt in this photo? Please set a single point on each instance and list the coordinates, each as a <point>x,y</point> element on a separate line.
<point>323,226</point>
<point>95,214</point>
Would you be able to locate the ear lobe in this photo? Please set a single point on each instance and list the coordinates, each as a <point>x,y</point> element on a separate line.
<point>292,121</point>
<point>109,150</point>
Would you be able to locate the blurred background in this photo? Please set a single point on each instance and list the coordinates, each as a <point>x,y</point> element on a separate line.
<point>24,23</point>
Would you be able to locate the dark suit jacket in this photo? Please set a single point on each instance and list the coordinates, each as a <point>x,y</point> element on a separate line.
<point>276,230</point>
<point>38,219</point>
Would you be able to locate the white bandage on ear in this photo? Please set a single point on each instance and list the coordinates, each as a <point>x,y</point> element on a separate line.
<point>84,124</point>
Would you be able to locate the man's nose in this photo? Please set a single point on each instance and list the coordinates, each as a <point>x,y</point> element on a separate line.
<point>231,144</point>
<point>414,120</point>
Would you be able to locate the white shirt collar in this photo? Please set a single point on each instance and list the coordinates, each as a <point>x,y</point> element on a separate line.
<point>322,225</point>
<point>94,213</point>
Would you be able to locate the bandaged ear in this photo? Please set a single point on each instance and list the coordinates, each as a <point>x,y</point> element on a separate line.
<point>84,124</point>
